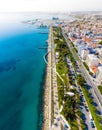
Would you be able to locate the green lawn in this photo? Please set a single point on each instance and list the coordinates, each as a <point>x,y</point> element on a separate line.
<point>73,51</point>
<point>74,125</point>
<point>100,89</point>
<point>74,54</point>
<point>62,69</point>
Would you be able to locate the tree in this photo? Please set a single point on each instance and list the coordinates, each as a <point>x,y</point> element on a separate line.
<point>80,80</point>
<point>100,42</point>
<point>68,108</point>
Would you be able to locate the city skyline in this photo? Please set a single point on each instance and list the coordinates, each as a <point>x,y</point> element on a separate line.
<point>49,6</point>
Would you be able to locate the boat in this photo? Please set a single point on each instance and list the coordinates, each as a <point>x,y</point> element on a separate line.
<point>43,26</point>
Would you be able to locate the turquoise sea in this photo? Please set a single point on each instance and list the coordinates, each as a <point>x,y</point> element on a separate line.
<point>22,76</point>
<point>22,71</point>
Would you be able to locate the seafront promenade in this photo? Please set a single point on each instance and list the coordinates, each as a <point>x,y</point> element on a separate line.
<point>51,84</point>
<point>52,117</point>
<point>59,120</point>
<point>47,93</point>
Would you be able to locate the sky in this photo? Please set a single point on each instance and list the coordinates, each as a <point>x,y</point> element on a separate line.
<point>50,5</point>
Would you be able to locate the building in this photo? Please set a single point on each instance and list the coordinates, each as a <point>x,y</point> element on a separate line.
<point>92,60</point>
<point>84,53</point>
<point>81,47</point>
<point>99,74</point>
<point>94,69</point>
<point>77,42</point>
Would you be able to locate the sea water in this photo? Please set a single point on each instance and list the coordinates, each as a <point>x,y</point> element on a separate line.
<point>22,76</point>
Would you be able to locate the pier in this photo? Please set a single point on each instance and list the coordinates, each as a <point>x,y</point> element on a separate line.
<point>44,47</point>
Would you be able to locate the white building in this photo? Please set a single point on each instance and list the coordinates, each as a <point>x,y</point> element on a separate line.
<point>99,51</point>
<point>84,54</point>
<point>92,60</point>
<point>81,47</point>
<point>99,74</point>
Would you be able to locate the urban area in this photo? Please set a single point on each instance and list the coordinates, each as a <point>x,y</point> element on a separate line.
<point>74,74</point>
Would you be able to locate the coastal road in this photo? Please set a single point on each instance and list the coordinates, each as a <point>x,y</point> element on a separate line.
<point>94,90</point>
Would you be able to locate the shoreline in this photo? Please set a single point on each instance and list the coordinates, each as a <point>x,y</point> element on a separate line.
<point>47,100</point>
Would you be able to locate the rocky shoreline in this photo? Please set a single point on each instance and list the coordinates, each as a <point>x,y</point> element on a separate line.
<point>47,90</point>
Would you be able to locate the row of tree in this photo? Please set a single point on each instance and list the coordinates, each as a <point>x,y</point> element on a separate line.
<point>70,104</point>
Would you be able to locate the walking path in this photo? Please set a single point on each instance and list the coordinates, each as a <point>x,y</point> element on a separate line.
<point>47,94</point>
<point>56,125</point>
<point>52,73</point>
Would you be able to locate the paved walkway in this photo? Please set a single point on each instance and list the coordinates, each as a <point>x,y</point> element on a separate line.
<point>56,125</point>
<point>58,118</point>
<point>51,63</point>
<point>47,95</point>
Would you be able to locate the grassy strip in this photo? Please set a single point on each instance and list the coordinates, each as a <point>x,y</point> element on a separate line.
<point>100,89</point>
<point>73,50</point>
<point>62,70</point>
<point>92,109</point>
<point>86,66</point>
<point>73,124</point>
<point>100,43</point>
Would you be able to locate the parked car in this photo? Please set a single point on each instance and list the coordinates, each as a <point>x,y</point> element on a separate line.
<point>56,124</point>
<point>86,108</point>
<point>65,127</point>
<point>92,124</point>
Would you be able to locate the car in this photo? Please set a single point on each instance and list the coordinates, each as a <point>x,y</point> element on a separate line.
<point>81,104</point>
<point>98,112</point>
<point>94,104</point>
<point>80,90</point>
<point>80,107</point>
<point>81,93</point>
<point>65,127</point>
<point>58,119</point>
<point>92,124</point>
<point>56,124</point>
<point>83,99</point>
<point>86,127</point>
<point>86,108</point>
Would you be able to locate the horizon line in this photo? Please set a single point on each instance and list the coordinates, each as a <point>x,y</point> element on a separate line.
<point>51,11</point>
